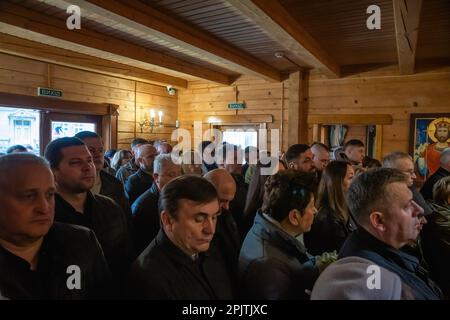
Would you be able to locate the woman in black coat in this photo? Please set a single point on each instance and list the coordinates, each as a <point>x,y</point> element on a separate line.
<point>273,264</point>
<point>333,222</point>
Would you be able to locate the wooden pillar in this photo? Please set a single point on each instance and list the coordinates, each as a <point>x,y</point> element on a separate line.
<point>298,107</point>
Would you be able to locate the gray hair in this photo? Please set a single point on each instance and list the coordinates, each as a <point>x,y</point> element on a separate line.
<point>445,156</point>
<point>390,160</point>
<point>441,191</point>
<point>161,161</point>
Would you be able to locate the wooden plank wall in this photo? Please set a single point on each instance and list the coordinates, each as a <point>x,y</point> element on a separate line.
<point>383,91</point>
<point>23,76</point>
<point>203,99</point>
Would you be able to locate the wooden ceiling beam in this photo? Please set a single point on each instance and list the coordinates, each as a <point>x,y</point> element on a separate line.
<point>281,26</point>
<point>42,52</point>
<point>141,17</point>
<point>407,18</point>
<point>84,39</point>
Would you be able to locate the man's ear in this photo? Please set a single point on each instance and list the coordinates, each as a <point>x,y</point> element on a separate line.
<point>166,220</point>
<point>376,220</point>
<point>291,165</point>
<point>293,217</point>
<point>155,176</point>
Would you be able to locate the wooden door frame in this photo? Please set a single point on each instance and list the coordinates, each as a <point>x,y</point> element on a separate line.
<point>108,112</point>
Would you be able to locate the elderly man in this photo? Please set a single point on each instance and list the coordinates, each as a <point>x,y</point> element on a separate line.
<point>176,265</point>
<point>140,181</point>
<point>388,219</point>
<point>442,172</point>
<point>40,259</point>
<point>105,184</point>
<point>300,157</point>
<point>145,209</point>
<point>74,171</point>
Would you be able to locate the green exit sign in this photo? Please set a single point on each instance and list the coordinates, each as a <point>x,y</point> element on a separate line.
<point>49,92</point>
<point>236,105</point>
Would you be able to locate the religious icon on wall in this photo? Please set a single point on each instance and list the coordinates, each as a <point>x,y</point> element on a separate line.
<point>430,135</point>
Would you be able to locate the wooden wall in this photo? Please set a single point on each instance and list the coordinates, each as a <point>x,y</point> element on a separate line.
<point>23,76</point>
<point>203,99</point>
<point>382,91</point>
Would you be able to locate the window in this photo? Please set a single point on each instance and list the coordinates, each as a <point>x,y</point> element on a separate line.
<point>69,129</point>
<point>19,126</point>
<point>241,138</point>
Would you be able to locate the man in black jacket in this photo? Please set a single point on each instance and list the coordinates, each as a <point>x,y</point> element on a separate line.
<point>442,172</point>
<point>74,172</point>
<point>40,259</point>
<point>388,219</point>
<point>177,264</point>
<point>105,184</point>
<point>145,209</point>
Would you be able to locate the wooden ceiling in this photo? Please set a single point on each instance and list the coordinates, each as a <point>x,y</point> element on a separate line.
<point>175,41</point>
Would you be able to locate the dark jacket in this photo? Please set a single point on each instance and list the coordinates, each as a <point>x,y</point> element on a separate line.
<point>108,221</point>
<point>228,243</point>
<point>427,188</point>
<point>163,271</point>
<point>273,264</point>
<point>145,221</point>
<point>328,232</point>
<point>362,244</point>
<point>63,246</point>
<point>237,205</point>
<point>113,188</point>
<point>436,246</point>
<point>137,184</point>
<point>125,171</point>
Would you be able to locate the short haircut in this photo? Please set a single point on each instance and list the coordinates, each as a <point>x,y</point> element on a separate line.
<point>87,134</point>
<point>353,143</point>
<point>294,151</point>
<point>187,187</point>
<point>445,156</point>
<point>441,191</point>
<point>288,190</point>
<point>17,147</point>
<point>390,160</point>
<point>368,192</point>
<point>371,163</point>
<point>321,145</point>
<point>138,141</point>
<point>9,162</point>
<point>161,161</point>
<point>53,151</point>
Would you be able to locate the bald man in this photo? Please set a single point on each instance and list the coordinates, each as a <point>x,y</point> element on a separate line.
<point>321,156</point>
<point>227,239</point>
<point>142,180</point>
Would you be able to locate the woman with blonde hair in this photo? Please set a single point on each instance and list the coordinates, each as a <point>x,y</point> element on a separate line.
<point>333,222</point>
<point>121,158</point>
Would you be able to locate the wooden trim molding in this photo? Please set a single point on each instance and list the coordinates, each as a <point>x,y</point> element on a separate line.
<point>361,119</point>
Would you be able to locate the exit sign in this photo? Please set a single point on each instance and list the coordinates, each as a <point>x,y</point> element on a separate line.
<point>236,105</point>
<point>46,92</point>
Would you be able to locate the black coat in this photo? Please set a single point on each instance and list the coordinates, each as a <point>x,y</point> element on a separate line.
<point>362,244</point>
<point>163,271</point>
<point>328,232</point>
<point>63,246</point>
<point>137,184</point>
<point>146,221</point>
<point>427,188</point>
<point>273,264</point>
<point>113,188</point>
<point>107,220</point>
<point>228,243</point>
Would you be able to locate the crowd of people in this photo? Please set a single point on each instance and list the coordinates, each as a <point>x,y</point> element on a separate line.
<point>148,223</point>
